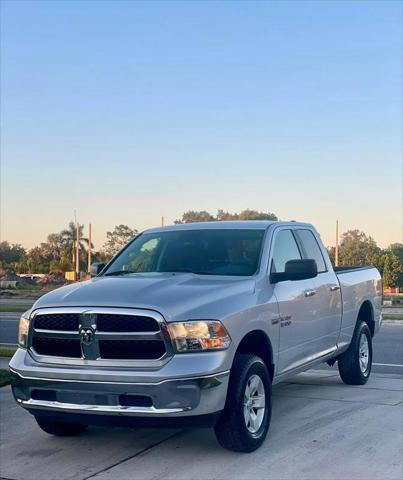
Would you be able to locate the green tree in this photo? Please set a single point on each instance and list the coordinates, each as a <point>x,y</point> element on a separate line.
<point>391,270</point>
<point>10,254</point>
<point>37,260</point>
<point>396,249</point>
<point>192,216</point>
<point>356,248</point>
<point>117,239</point>
<point>57,245</point>
<point>255,215</point>
<point>69,239</point>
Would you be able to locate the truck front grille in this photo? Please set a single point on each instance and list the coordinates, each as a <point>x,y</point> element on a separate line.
<point>131,349</point>
<point>57,321</point>
<point>99,334</point>
<point>57,347</point>
<point>126,323</point>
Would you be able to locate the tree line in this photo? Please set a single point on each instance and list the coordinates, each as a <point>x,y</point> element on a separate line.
<point>57,254</point>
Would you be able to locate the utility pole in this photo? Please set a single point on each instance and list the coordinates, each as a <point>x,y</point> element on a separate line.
<point>78,252</point>
<point>74,242</point>
<point>89,248</point>
<point>336,255</point>
<point>162,221</point>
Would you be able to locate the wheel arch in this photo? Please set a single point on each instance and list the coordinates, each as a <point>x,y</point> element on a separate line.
<point>257,342</point>
<point>366,314</point>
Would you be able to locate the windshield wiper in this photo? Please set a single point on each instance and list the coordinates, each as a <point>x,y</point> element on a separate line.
<point>118,272</point>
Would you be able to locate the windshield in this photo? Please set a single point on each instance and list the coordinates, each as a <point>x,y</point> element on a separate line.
<point>204,252</point>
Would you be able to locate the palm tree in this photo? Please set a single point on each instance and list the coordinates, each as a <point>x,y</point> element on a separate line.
<point>70,237</point>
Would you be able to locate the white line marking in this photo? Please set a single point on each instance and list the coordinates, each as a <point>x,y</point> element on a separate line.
<point>387,364</point>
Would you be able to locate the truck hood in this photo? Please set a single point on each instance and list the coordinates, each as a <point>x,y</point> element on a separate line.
<point>175,296</point>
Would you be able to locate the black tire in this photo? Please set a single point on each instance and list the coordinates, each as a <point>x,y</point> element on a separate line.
<point>231,430</point>
<point>349,362</point>
<point>61,429</point>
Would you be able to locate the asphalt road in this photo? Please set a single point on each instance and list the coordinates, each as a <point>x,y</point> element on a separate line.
<point>9,328</point>
<point>388,343</point>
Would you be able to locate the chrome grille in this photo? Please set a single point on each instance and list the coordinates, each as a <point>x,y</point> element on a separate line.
<point>126,323</point>
<point>57,347</point>
<point>131,349</point>
<point>57,321</point>
<point>98,336</point>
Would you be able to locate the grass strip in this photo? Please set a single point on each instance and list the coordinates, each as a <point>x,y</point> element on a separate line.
<point>13,308</point>
<point>7,352</point>
<point>392,317</point>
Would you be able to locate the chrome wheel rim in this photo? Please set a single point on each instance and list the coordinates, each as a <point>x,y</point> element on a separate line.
<point>364,353</point>
<point>254,403</point>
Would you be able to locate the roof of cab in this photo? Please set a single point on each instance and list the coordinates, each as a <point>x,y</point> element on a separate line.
<point>230,225</point>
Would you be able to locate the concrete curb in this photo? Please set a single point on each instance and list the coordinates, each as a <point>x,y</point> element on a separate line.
<point>392,322</point>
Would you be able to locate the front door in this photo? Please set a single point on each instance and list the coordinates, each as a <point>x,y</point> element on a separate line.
<point>327,298</point>
<point>297,307</point>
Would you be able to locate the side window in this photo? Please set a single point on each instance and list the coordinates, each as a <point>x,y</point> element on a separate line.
<point>285,248</point>
<point>312,249</point>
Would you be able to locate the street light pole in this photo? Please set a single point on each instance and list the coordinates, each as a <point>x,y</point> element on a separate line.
<point>89,248</point>
<point>77,252</point>
<point>336,255</point>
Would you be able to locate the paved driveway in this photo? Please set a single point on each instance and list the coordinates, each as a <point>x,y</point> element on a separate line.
<point>321,429</point>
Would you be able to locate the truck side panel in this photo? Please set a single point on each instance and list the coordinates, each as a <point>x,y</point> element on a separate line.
<point>357,287</point>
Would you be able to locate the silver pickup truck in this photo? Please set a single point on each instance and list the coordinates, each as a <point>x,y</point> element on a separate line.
<point>192,325</point>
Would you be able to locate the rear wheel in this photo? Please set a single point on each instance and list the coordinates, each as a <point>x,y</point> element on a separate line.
<point>245,420</point>
<point>355,363</point>
<point>55,427</point>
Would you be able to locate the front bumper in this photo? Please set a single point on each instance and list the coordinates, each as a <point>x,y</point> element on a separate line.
<point>44,389</point>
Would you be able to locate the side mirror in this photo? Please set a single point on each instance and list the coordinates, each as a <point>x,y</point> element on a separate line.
<point>96,269</point>
<point>296,270</point>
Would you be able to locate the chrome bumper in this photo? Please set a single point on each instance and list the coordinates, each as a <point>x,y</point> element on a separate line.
<point>96,409</point>
<point>101,394</point>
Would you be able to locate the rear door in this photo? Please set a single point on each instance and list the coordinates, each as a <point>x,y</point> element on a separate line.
<point>297,307</point>
<point>326,299</point>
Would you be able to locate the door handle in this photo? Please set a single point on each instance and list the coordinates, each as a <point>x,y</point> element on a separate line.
<point>310,293</point>
<point>334,288</point>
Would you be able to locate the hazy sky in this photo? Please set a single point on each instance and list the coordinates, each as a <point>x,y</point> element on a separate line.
<point>126,111</point>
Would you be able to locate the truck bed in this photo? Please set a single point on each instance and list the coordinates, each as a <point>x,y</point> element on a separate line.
<point>347,269</point>
<point>358,284</point>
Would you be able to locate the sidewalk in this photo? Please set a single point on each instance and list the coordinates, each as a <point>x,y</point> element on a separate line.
<point>320,429</point>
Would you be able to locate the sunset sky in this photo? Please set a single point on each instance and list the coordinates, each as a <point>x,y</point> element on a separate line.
<point>127,111</point>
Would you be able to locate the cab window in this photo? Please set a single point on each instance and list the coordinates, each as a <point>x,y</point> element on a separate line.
<point>311,248</point>
<point>285,249</point>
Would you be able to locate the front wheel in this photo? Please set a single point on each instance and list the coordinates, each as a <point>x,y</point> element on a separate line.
<point>355,363</point>
<point>245,420</point>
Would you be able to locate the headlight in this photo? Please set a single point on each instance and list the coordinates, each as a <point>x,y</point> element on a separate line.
<point>199,335</point>
<point>24,329</point>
